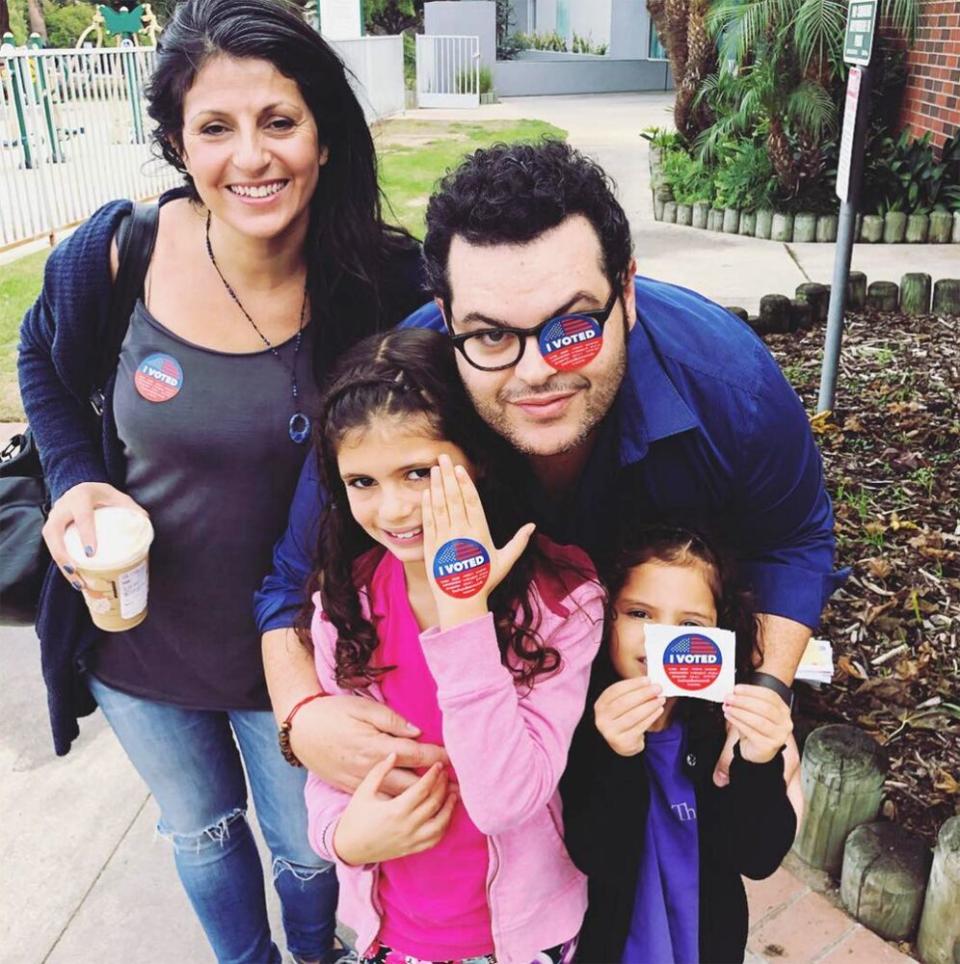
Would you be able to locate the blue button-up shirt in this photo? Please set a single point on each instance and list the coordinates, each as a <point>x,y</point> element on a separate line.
<point>705,430</point>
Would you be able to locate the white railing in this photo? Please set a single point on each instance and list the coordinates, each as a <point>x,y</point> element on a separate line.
<point>448,71</point>
<point>377,65</point>
<point>74,131</point>
<point>73,134</point>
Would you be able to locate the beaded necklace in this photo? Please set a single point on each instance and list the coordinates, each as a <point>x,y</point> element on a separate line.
<point>299,425</point>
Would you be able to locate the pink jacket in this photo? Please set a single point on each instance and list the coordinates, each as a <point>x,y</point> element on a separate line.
<point>507,766</point>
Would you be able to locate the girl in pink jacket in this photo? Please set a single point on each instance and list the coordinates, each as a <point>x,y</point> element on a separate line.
<point>487,650</point>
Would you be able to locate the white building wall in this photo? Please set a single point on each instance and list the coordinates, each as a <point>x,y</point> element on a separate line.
<point>590,19</point>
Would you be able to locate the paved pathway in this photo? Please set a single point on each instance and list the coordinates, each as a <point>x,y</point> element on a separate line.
<point>83,879</point>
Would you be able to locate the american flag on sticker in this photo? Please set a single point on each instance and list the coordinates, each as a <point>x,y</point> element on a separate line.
<point>158,378</point>
<point>570,342</point>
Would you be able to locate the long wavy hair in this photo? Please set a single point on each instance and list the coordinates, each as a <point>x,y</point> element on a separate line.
<point>411,375</point>
<point>347,242</point>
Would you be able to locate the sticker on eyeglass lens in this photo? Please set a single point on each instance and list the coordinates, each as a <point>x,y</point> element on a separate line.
<point>461,568</point>
<point>570,342</point>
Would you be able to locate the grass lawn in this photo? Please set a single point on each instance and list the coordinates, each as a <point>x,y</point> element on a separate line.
<point>19,285</point>
<point>413,156</point>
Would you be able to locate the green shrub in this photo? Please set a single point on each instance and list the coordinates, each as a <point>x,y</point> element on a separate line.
<point>688,178</point>
<point>585,45</point>
<point>745,177</point>
<point>65,24</point>
<point>661,137</point>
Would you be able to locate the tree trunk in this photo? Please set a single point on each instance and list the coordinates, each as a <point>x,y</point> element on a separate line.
<point>781,156</point>
<point>35,18</point>
<point>701,61</point>
<point>5,18</point>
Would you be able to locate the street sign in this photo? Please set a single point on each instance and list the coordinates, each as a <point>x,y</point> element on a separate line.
<point>846,137</point>
<point>861,25</point>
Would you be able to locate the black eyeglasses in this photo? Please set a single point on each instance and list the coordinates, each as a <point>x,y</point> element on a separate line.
<point>494,349</point>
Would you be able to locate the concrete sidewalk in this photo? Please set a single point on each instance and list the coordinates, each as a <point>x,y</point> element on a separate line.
<point>730,269</point>
<point>83,878</point>
<point>85,881</point>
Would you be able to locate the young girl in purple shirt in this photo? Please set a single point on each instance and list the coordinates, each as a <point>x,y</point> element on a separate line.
<point>486,650</point>
<point>663,847</point>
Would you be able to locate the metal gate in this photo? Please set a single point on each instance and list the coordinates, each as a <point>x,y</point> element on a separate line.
<point>73,135</point>
<point>448,71</point>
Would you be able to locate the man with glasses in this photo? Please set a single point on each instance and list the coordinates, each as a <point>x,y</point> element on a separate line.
<point>632,399</point>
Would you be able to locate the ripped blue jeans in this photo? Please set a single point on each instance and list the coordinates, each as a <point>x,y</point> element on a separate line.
<point>191,762</point>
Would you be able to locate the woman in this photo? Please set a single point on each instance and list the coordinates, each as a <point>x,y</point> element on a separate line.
<point>271,260</point>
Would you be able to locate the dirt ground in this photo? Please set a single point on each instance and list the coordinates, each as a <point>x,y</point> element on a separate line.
<point>891,450</point>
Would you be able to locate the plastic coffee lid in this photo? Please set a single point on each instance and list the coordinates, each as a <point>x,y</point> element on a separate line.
<point>122,536</point>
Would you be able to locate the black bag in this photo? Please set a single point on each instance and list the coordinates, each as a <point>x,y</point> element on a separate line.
<point>24,498</point>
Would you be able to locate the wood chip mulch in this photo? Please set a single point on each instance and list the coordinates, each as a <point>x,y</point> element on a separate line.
<point>891,449</point>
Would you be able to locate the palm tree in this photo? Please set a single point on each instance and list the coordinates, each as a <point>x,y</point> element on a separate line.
<point>812,30</point>
<point>786,55</point>
<point>772,99</point>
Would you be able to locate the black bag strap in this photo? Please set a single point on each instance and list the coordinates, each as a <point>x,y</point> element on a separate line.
<point>136,237</point>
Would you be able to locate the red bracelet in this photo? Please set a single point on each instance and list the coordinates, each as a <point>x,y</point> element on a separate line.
<point>284,735</point>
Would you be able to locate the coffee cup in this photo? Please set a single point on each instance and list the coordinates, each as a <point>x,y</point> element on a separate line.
<point>115,576</point>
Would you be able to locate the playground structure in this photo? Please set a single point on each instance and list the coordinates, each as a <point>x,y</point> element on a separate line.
<point>73,135</point>
<point>73,126</point>
<point>123,25</point>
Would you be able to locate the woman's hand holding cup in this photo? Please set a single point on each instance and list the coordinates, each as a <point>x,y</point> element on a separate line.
<point>76,507</point>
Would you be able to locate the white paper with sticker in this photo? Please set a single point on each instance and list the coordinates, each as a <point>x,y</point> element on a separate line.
<point>691,660</point>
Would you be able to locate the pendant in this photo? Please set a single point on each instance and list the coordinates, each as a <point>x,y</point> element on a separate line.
<point>299,428</point>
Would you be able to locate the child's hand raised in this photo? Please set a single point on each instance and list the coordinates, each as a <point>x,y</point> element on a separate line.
<point>761,718</point>
<point>625,711</point>
<point>463,565</point>
<point>375,827</point>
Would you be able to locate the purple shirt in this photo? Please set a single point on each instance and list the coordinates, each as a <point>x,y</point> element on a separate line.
<point>665,924</point>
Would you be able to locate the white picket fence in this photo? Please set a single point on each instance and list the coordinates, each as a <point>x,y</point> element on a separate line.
<point>448,71</point>
<point>74,132</point>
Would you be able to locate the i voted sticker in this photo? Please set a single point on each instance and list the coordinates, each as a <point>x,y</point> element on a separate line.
<point>571,342</point>
<point>692,661</point>
<point>159,378</point>
<point>461,568</point>
<point>686,663</point>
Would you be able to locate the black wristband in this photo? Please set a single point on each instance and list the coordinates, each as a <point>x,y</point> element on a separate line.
<point>772,683</point>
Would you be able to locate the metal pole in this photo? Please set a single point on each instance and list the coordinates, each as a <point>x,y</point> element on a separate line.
<point>129,68</point>
<point>844,252</point>
<point>19,100</point>
<point>43,96</point>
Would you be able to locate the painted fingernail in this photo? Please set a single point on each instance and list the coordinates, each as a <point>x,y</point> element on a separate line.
<point>69,570</point>
<point>76,585</point>
<point>88,551</point>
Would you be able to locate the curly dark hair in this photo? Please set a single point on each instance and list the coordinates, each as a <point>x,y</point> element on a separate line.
<point>412,374</point>
<point>348,242</point>
<point>680,545</point>
<point>512,193</point>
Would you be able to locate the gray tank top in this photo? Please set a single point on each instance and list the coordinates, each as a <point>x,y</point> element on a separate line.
<point>209,456</point>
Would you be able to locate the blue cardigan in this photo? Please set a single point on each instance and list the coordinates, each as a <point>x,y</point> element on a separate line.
<point>57,364</point>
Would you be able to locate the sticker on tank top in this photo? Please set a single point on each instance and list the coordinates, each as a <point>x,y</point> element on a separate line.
<point>159,378</point>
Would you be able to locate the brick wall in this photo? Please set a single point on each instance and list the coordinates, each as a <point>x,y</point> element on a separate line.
<point>932,98</point>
